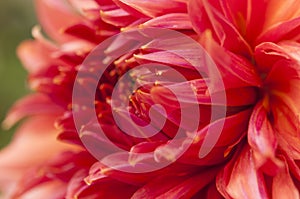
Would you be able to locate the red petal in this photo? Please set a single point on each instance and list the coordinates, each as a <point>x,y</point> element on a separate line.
<point>83,31</point>
<point>175,186</point>
<point>190,150</point>
<point>118,166</point>
<point>212,19</point>
<point>236,70</point>
<point>106,188</point>
<point>200,95</point>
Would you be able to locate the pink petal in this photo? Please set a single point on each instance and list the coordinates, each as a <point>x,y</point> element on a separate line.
<point>151,8</point>
<point>241,179</point>
<point>31,105</point>
<point>172,21</point>
<point>49,190</point>
<point>43,135</point>
<point>55,15</point>
<point>35,55</point>
<point>261,136</point>
<point>83,6</point>
<point>168,57</point>
<point>117,17</point>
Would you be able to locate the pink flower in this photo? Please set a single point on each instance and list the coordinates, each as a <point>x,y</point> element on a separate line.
<point>257,54</point>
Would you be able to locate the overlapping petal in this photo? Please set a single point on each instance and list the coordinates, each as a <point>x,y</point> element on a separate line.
<point>251,56</point>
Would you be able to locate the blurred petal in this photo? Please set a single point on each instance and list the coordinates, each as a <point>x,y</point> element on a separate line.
<point>55,15</point>
<point>29,142</point>
<point>31,105</point>
<point>49,190</point>
<point>35,55</point>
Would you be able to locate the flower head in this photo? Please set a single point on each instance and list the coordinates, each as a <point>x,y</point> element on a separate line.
<point>226,82</point>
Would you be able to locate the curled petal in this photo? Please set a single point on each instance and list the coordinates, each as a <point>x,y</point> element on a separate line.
<point>261,136</point>
<point>267,54</point>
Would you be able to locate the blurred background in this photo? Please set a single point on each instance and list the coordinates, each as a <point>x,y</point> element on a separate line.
<point>16,20</point>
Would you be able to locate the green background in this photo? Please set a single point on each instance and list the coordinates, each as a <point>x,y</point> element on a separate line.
<point>16,20</point>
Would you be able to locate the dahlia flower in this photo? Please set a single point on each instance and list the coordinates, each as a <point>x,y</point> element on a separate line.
<point>222,75</point>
